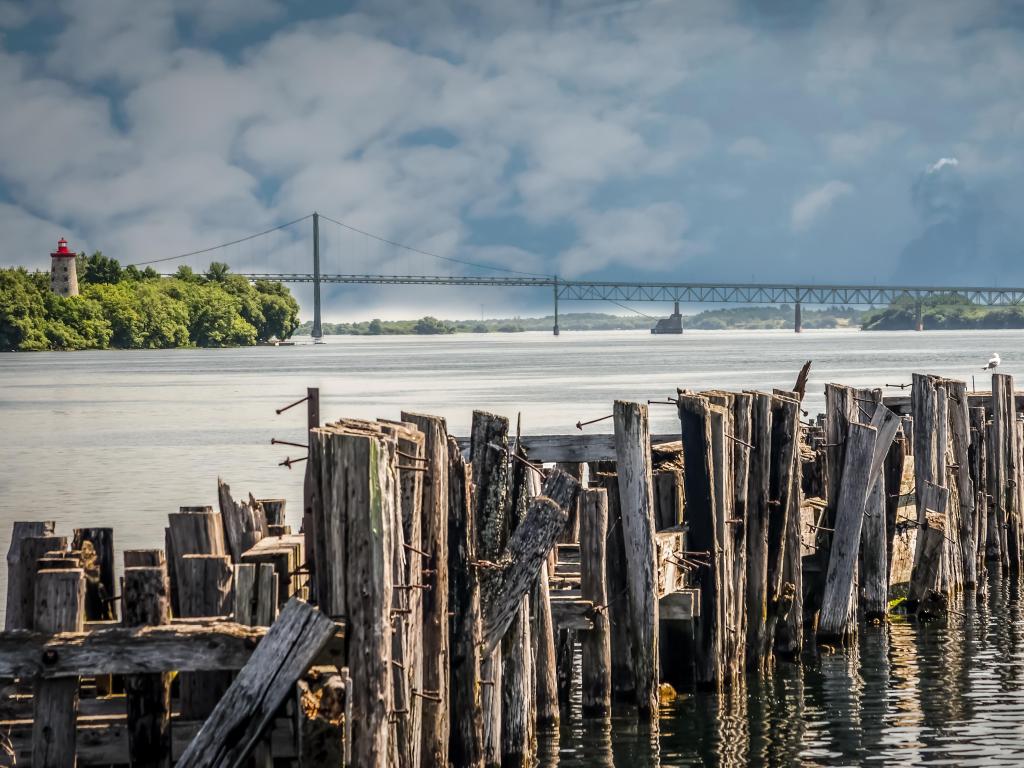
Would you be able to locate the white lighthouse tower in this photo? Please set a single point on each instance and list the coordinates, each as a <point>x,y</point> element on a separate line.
<point>63,271</point>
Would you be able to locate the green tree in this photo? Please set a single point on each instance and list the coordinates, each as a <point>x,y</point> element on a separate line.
<point>185,273</point>
<point>217,271</point>
<point>102,269</point>
<point>376,327</point>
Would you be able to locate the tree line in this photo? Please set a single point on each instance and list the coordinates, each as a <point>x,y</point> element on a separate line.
<point>128,308</point>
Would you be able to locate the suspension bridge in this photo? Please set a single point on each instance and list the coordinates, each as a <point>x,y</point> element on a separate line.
<point>330,252</point>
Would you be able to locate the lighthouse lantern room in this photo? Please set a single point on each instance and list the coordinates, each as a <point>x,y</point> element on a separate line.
<point>63,272</point>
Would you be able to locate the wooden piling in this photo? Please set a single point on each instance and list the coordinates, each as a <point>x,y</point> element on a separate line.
<point>1004,434</point>
<point>21,609</point>
<point>145,602</point>
<point>59,606</point>
<point>833,622</point>
<point>737,524</point>
<point>193,531</point>
<point>434,513</point>
<point>16,617</point>
<point>722,428</point>
<point>97,548</point>
<point>785,449</point>
<point>489,454</point>
<point>465,746</point>
<point>273,510</point>
<point>978,453</point>
<point>623,682</point>
<point>757,522</point>
<point>205,589</point>
<point>633,459</point>
<point>695,423</point>
<point>597,674</point>
<point>244,522</point>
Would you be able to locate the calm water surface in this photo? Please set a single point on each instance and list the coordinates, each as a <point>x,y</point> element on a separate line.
<point>122,438</point>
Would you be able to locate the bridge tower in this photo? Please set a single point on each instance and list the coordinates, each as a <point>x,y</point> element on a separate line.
<point>555,329</point>
<point>318,332</point>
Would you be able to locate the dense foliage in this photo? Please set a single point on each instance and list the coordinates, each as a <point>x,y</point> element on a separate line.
<point>950,312</point>
<point>712,319</point>
<point>131,309</point>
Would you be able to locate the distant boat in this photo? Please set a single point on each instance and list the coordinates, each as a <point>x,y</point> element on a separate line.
<point>671,324</point>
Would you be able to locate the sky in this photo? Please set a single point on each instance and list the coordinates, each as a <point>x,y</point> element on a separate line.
<point>727,140</point>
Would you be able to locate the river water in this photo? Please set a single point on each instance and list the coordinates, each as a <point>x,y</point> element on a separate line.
<point>121,438</point>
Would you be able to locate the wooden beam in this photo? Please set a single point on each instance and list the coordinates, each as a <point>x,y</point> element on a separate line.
<point>573,448</point>
<point>184,647</point>
<point>247,709</point>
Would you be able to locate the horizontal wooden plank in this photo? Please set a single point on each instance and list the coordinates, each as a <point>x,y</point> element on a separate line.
<point>577,448</point>
<point>683,605</point>
<point>181,647</point>
<point>104,741</point>
<point>571,612</point>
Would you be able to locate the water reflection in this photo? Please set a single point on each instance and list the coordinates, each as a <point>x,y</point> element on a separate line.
<point>946,693</point>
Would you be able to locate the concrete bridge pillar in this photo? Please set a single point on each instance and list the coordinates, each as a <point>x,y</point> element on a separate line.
<point>555,329</point>
<point>317,328</point>
<point>798,326</point>
<point>919,316</point>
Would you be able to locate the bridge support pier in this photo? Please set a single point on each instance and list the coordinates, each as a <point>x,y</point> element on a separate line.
<point>919,316</point>
<point>798,325</point>
<point>555,329</point>
<point>318,332</point>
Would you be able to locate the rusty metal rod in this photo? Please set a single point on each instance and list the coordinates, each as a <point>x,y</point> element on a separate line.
<point>279,411</point>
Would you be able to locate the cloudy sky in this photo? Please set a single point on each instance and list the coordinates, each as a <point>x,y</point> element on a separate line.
<point>658,139</point>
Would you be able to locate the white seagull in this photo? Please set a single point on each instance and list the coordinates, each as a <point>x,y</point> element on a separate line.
<point>993,362</point>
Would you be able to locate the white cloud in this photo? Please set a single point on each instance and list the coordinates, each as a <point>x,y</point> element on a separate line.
<point>941,163</point>
<point>648,238</point>
<point>857,146</point>
<point>811,206</point>
<point>749,146</point>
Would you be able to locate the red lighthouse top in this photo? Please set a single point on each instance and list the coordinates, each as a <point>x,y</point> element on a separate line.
<point>62,249</point>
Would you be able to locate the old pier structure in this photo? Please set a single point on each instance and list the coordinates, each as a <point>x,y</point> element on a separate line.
<point>446,597</point>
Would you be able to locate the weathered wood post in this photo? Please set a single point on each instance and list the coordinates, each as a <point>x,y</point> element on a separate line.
<point>309,491</point>
<point>633,458</point>
<point>1004,417</point>
<point>597,672</point>
<point>244,522</point>
<point>145,602</point>
<point>722,430</point>
<point>835,609</point>
<point>785,449</point>
<point>193,531</point>
<point>434,511</point>
<point>623,682</point>
<point>978,452</point>
<point>16,572</point>
<point>488,453</point>
<point>465,746</point>
<point>757,520</point>
<point>21,587</point>
<point>702,517</point>
<point>59,607</point>
<point>737,526</point>
<point>97,548</point>
<point>205,589</point>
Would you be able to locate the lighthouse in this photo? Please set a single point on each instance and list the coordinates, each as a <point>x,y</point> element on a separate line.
<point>63,273</point>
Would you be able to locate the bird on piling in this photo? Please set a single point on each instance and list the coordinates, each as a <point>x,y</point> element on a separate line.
<point>993,362</point>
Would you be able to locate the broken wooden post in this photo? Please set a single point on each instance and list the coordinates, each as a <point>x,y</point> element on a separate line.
<point>465,745</point>
<point>205,589</point>
<point>736,527</point>
<point>434,511</point>
<point>571,534</point>
<point>960,431</point>
<point>545,662</point>
<point>757,520</point>
<point>97,548</point>
<point>244,522</point>
<point>721,415</point>
<point>597,672</point>
<point>15,618</point>
<point>835,608</point>
<point>668,498</point>
<point>273,510</point>
<point>234,728</point>
<point>59,607</point>
<point>1004,434</point>
<point>924,595</point>
<point>520,563</point>
<point>145,602</point>
<point>633,459</point>
<point>144,558</point>
<point>309,493</point>
<point>23,565</point>
<point>193,531</point>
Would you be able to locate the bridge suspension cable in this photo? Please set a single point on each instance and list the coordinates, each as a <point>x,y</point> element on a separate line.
<point>222,245</point>
<point>421,252</point>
